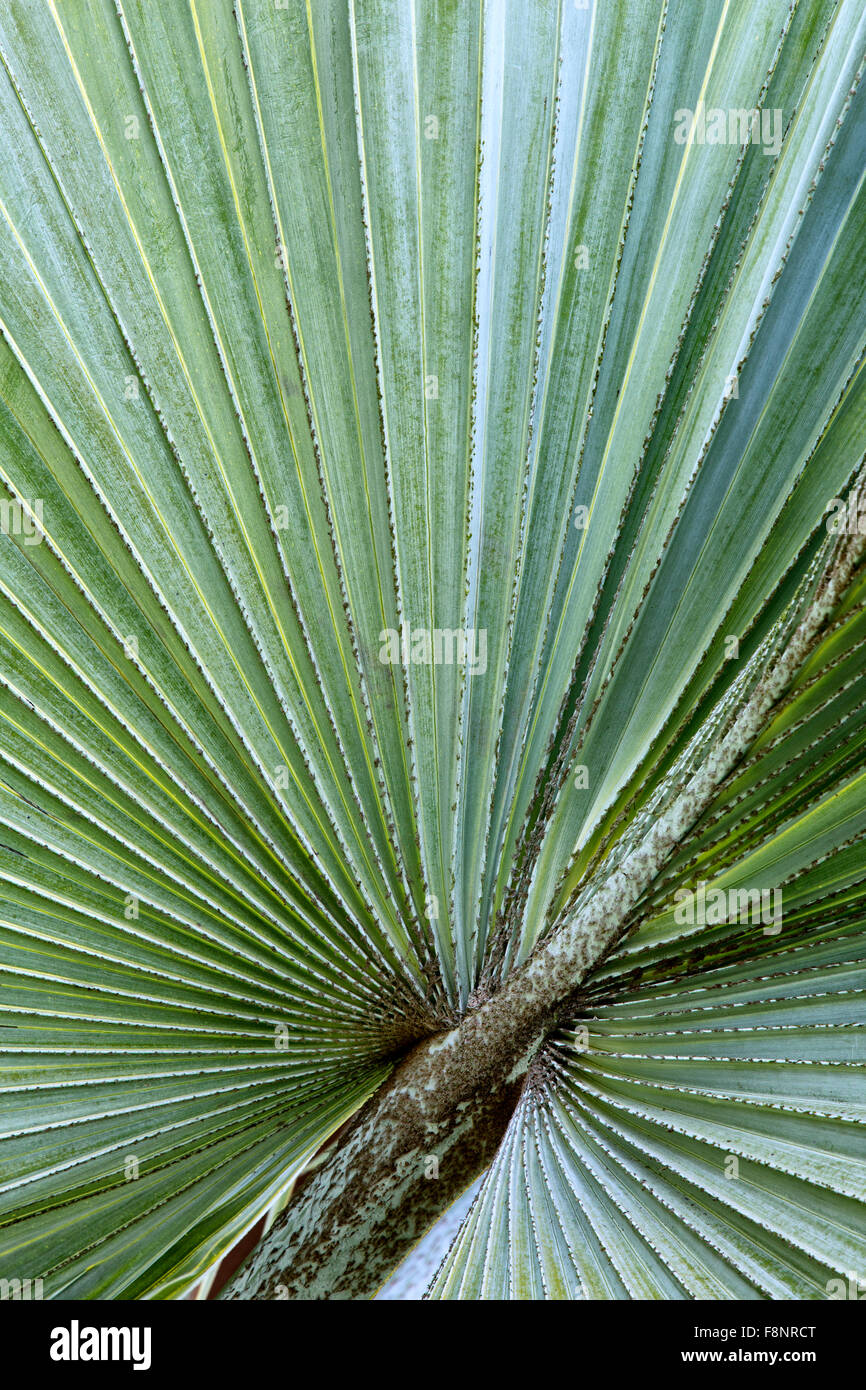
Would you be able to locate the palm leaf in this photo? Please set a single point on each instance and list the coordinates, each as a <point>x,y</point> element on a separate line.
<point>329,328</point>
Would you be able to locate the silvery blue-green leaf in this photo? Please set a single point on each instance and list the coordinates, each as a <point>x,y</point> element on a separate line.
<point>431,574</point>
